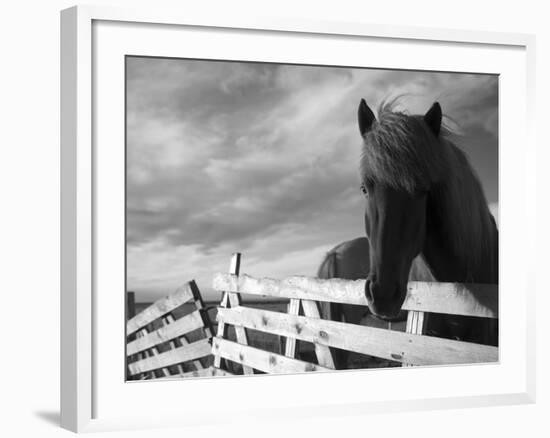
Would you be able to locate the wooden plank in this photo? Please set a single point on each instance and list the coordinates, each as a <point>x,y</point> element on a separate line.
<point>270,363</point>
<point>141,356</point>
<point>240,331</point>
<point>324,356</point>
<point>290,344</point>
<point>234,268</point>
<point>333,290</point>
<point>416,322</point>
<point>205,372</point>
<point>186,324</point>
<point>235,263</point>
<point>185,353</point>
<point>173,333</point>
<point>178,342</point>
<point>387,344</point>
<point>160,308</point>
<point>130,305</point>
<point>130,313</point>
<point>231,299</point>
<point>452,298</point>
<point>199,305</point>
<point>207,327</point>
<point>150,353</point>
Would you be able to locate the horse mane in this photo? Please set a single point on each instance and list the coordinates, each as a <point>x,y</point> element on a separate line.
<point>401,152</point>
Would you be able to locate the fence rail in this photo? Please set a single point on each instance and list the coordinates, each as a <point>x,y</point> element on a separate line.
<point>387,344</point>
<point>412,347</point>
<point>157,341</point>
<point>158,344</point>
<point>479,300</point>
<point>161,307</point>
<point>178,328</point>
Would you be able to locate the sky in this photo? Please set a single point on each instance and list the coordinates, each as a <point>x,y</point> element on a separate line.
<point>262,159</point>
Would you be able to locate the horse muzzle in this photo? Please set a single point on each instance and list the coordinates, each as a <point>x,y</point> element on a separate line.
<point>384,302</point>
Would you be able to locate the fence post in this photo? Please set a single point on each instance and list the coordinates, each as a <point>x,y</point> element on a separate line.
<point>290,344</point>
<point>130,313</point>
<point>231,299</point>
<point>130,305</point>
<point>324,356</point>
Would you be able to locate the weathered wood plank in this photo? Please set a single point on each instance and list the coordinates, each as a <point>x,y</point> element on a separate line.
<point>334,290</point>
<point>232,299</point>
<point>143,355</point>
<point>240,331</point>
<point>267,362</point>
<point>130,305</point>
<point>452,298</point>
<point>160,308</point>
<point>416,322</point>
<point>199,305</point>
<point>185,353</point>
<point>205,372</point>
<point>234,268</point>
<point>178,342</point>
<point>174,343</point>
<point>393,345</point>
<point>151,353</point>
<point>290,344</point>
<point>186,324</point>
<point>324,357</point>
<point>130,313</point>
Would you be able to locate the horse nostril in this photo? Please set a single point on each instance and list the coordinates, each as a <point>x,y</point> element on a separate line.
<point>369,287</point>
<point>368,291</point>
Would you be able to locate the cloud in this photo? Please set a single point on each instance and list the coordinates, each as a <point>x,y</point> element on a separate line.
<point>262,158</point>
<point>158,268</point>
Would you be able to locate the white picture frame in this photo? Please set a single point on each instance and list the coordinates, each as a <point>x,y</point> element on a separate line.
<point>89,398</point>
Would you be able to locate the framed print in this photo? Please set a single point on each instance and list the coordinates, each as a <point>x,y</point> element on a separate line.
<point>257,208</point>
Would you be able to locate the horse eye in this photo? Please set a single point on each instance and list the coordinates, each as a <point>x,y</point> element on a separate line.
<point>364,190</point>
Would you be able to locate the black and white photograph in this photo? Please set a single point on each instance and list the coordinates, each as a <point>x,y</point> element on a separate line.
<point>286,219</point>
<point>275,219</point>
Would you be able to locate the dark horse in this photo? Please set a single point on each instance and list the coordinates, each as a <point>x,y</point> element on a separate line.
<point>424,203</point>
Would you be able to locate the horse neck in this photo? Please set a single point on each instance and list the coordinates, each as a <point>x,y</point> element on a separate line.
<point>461,237</point>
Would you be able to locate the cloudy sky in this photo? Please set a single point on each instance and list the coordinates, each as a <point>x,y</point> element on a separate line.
<point>262,159</point>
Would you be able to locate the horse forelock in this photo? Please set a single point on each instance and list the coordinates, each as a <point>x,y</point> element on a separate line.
<point>401,152</point>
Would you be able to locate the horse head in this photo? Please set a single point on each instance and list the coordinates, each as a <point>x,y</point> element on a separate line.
<point>398,169</point>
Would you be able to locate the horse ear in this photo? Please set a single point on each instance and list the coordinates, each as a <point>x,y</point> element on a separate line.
<point>365,117</point>
<point>433,118</point>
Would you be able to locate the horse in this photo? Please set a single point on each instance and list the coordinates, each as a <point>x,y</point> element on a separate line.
<point>423,201</point>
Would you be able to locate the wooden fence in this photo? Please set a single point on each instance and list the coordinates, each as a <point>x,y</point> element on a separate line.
<point>158,344</point>
<point>411,347</point>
